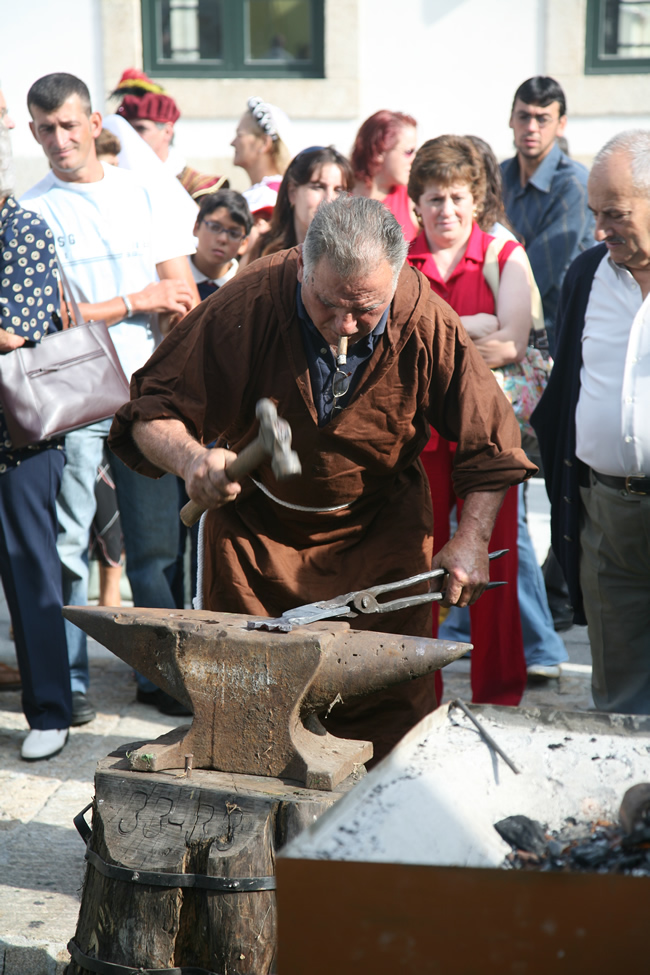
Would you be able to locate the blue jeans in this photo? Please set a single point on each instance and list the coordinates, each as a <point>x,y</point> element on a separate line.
<point>31,576</point>
<point>149,514</point>
<point>542,645</point>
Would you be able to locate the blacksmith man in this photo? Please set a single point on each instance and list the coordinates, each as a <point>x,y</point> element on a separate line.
<point>361,513</point>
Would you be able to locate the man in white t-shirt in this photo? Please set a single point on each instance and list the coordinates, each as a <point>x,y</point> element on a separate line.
<point>125,264</point>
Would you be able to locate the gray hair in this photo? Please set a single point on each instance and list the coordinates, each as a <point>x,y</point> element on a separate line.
<point>636,144</point>
<point>356,235</point>
<point>7,177</point>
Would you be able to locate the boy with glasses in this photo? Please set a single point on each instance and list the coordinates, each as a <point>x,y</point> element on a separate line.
<point>221,230</point>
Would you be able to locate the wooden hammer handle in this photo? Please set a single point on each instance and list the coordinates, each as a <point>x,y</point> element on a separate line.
<point>245,462</point>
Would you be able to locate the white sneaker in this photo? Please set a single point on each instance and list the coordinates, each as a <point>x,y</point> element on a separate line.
<point>548,672</point>
<point>43,744</point>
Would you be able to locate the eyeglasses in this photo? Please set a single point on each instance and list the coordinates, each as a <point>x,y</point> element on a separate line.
<point>217,228</point>
<point>542,120</point>
<point>340,386</point>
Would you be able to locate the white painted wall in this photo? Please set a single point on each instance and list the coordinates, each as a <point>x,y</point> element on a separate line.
<point>40,37</point>
<point>453,64</point>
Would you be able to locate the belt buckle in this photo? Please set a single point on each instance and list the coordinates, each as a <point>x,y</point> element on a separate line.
<point>628,484</point>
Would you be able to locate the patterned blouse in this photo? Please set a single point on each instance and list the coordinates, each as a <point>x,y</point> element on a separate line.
<point>29,296</point>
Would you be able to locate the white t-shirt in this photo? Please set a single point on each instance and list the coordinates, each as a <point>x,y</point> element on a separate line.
<point>109,236</point>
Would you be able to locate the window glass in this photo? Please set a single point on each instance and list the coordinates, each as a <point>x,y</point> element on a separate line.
<point>233,38</point>
<point>189,30</point>
<point>278,30</point>
<point>625,29</point>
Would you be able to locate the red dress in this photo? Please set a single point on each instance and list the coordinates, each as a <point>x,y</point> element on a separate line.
<point>498,673</point>
<point>400,206</point>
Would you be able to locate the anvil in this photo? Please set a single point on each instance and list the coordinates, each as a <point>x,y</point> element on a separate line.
<point>256,695</point>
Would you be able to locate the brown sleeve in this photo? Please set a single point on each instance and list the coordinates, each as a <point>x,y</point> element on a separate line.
<point>467,406</point>
<point>200,372</point>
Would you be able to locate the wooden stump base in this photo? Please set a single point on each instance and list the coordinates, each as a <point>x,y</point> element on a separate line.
<point>218,824</point>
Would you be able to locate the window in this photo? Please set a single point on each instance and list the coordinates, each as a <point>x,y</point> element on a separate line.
<point>618,37</point>
<point>233,38</point>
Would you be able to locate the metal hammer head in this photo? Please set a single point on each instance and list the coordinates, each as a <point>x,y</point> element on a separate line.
<point>275,434</point>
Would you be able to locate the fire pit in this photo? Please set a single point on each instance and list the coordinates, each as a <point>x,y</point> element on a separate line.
<point>408,869</point>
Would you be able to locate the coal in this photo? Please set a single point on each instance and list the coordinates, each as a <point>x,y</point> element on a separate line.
<point>523,834</point>
<point>598,847</point>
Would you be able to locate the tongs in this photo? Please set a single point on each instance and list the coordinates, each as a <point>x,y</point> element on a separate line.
<point>362,601</point>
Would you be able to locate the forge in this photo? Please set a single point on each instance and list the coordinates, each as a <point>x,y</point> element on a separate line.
<point>422,877</point>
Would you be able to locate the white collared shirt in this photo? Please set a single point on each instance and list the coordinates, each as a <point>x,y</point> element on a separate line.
<point>613,412</point>
<point>200,277</point>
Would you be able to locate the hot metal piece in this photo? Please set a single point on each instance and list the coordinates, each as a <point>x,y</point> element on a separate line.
<point>252,691</point>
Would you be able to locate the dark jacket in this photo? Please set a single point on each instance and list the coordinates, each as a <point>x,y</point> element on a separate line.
<point>554,421</point>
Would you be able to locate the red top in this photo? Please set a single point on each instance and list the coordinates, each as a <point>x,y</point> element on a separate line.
<point>400,206</point>
<point>466,289</point>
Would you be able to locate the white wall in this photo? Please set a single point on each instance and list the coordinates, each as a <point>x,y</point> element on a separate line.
<point>40,37</point>
<point>452,64</point>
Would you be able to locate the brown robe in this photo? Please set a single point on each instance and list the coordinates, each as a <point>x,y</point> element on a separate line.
<point>245,343</point>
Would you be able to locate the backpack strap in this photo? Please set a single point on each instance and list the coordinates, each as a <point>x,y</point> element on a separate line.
<point>491,273</point>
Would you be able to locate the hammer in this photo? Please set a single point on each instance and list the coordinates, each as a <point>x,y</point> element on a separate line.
<point>273,440</point>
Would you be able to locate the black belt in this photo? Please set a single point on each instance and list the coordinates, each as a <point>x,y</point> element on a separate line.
<point>632,484</point>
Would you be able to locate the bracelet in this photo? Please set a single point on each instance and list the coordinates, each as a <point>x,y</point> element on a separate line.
<point>128,306</point>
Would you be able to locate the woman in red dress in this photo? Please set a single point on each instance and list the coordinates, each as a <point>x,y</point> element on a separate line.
<point>381,159</point>
<point>447,186</point>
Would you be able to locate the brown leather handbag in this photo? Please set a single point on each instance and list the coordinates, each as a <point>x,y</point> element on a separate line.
<point>68,380</point>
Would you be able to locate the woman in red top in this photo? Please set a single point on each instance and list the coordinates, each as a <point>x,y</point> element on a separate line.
<point>447,186</point>
<point>381,159</point>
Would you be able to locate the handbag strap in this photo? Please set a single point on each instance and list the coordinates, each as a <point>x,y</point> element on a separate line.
<point>68,297</point>
<point>492,275</point>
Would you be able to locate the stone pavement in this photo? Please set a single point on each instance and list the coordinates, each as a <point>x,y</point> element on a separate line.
<point>41,854</point>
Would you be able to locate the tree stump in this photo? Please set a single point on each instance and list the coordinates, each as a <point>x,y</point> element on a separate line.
<point>214,824</point>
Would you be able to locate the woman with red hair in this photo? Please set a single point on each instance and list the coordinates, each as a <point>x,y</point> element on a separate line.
<point>381,159</point>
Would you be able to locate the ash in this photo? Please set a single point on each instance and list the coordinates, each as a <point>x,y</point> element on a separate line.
<point>435,799</point>
<point>599,847</point>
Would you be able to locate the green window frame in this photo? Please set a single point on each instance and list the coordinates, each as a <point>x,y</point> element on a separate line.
<point>234,17</point>
<point>602,43</point>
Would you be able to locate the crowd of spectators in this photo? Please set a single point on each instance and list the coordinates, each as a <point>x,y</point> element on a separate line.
<point>144,238</point>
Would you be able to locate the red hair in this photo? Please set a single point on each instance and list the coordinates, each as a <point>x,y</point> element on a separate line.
<point>377,134</point>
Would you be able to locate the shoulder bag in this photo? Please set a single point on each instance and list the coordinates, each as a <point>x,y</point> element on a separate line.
<point>69,379</point>
<point>522,382</point>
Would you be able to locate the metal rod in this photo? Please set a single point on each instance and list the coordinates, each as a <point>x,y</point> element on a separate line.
<point>457,703</point>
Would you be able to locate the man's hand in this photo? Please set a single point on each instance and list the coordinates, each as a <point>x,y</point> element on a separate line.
<point>466,561</point>
<point>465,556</point>
<point>170,295</point>
<point>168,445</point>
<point>9,341</point>
<point>205,480</point>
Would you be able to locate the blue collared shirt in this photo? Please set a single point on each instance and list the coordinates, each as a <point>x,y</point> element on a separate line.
<point>322,362</point>
<point>551,215</point>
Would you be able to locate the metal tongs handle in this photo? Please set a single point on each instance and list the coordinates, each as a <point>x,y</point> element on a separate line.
<point>366,600</point>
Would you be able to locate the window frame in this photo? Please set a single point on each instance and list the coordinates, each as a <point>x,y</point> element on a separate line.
<point>234,40</point>
<point>595,63</point>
